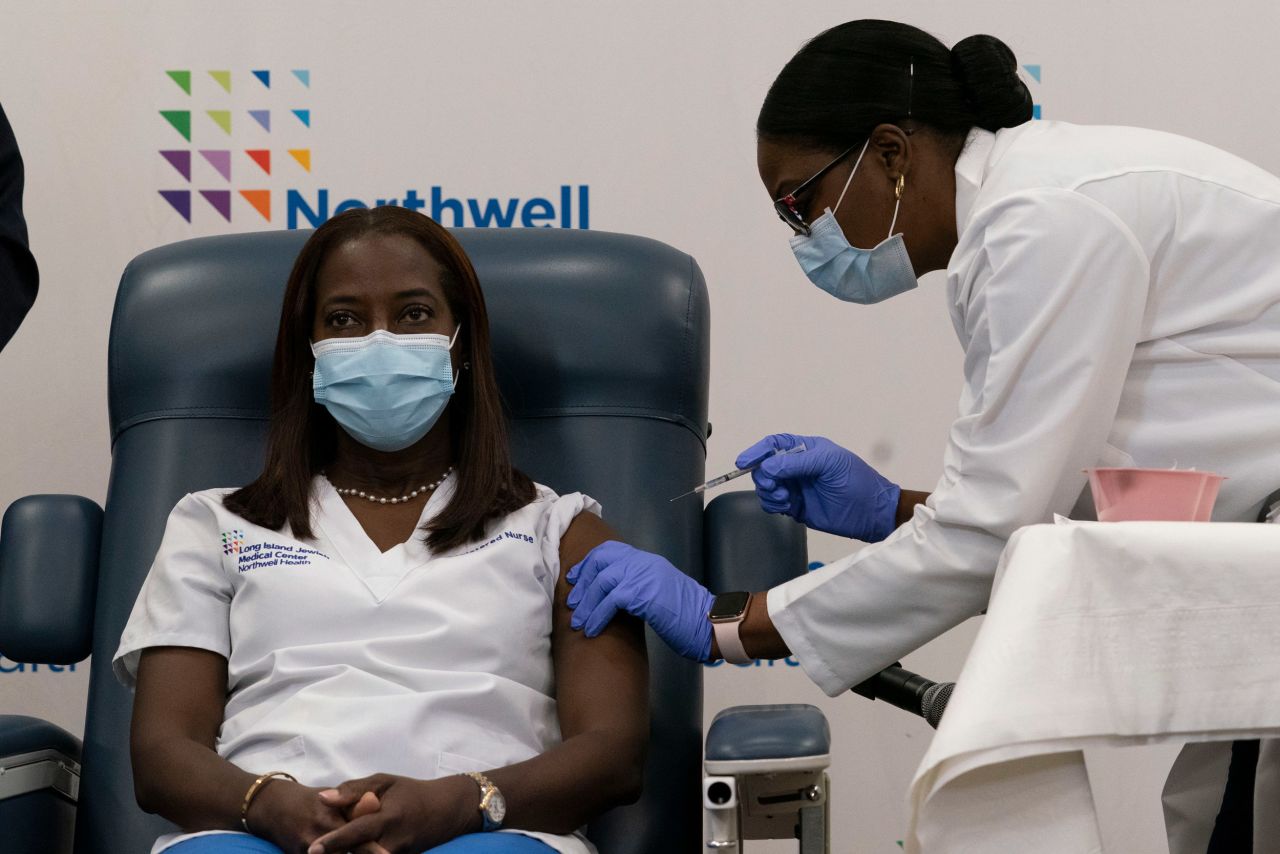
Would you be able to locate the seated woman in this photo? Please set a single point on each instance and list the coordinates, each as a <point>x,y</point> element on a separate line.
<point>368,649</point>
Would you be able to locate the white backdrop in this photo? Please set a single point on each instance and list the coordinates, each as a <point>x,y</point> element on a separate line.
<point>646,112</point>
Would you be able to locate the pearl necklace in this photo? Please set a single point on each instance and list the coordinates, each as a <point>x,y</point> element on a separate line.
<point>360,493</point>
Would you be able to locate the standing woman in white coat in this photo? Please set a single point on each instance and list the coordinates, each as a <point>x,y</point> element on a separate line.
<point>1117,295</point>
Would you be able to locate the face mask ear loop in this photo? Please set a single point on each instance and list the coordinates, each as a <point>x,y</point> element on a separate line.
<point>856,164</point>
<point>456,374</point>
<point>897,205</point>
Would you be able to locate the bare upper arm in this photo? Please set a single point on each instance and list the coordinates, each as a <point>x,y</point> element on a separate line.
<point>601,682</point>
<point>181,693</point>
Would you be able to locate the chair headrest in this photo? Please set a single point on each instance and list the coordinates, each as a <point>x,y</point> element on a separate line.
<point>561,345</point>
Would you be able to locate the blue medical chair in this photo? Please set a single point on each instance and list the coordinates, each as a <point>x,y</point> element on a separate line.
<point>601,345</point>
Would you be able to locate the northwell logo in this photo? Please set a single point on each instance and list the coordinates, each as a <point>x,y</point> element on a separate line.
<point>232,173</point>
<point>1033,73</point>
<point>232,541</point>
<point>248,132</point>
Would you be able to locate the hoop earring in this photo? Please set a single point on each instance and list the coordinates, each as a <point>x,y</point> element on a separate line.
<point>901,185</point>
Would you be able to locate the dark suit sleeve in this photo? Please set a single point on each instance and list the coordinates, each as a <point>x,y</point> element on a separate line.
<point>19,277</point>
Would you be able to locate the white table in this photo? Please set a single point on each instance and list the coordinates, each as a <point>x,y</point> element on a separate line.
<point>1099,634</point>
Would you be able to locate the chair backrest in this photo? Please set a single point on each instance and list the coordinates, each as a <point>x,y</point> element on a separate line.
<point>601,345</point>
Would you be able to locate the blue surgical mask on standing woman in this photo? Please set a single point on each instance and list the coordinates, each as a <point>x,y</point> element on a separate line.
<point>854,275</point>
<point>386,390</point>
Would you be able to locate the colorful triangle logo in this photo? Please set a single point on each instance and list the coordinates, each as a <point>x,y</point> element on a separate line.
<point>263,76</point>
<point>1034,71</point>
<point>261,156</point>
<point>220,160</point>
<point>304,116</point>
<point>220,200</point>
<point>181,121</point>
<point>303,75</point>
<point>303,156</point>
<point>180,160</point>
<point>222,118</point>
<point>223,79</point>
<point>180,200</point>
<point>182,78</point>
<point>262,117</point>
<point>261,201</point>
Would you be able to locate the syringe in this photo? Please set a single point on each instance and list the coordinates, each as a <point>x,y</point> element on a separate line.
<point>725,478</point>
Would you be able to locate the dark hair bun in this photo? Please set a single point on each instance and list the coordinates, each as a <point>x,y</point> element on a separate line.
<point>988,72</point>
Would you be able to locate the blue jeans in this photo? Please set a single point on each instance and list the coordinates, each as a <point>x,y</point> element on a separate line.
<point>472,843</point>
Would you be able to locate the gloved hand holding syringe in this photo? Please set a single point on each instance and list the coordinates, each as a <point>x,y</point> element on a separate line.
<point>809,478</point>
<point>725,478</point>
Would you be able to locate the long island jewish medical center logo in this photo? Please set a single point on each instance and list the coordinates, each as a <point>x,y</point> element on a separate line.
<point>236,146</point>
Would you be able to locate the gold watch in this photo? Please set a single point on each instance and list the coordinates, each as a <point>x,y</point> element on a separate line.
<point>493,807</point>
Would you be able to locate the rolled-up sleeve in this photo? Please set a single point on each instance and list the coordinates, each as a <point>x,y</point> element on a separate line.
<point>186,598</point>
<point>1052,310</point>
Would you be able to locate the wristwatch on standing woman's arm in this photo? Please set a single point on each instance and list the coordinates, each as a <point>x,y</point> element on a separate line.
<point>727,613</point>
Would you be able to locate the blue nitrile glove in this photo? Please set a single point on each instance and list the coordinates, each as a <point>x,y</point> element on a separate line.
<point>825,486</point>
<point>616,577</point>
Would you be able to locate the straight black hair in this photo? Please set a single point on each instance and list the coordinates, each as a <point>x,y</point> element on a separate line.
<point>855,76</point>
<point>302,434</point>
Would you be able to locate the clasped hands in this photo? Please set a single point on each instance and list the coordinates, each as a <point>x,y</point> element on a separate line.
<point>379,814</point>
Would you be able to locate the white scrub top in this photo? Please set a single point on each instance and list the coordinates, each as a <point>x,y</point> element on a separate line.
<point>1117,294</point>
<point>343,661</point>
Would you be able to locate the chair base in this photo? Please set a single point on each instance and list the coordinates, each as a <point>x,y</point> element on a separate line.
<point>789,805</point>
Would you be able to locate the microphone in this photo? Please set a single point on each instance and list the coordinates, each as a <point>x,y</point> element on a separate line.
<point>908,691</point>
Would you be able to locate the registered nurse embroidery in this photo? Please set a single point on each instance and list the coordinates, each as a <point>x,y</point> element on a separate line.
<point>232,541</point>
<point>504,536</point>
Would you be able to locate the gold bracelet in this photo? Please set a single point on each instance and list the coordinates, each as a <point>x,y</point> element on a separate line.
<point>256,787</point>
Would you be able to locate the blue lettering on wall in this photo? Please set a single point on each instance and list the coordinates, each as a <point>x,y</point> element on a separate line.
<point>7,666</point>
<point>439,205</point>
<point>348,205</point>
<point>493,213</point>
<point>314,216</point>
<point>570,210</point>
<point>759,662</point>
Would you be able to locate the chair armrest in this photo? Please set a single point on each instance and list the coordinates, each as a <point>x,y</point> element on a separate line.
<point>749,549</point>
<point>20,734</point>
<point>768,739</point>
<point>39,785</point>
<point>49,548</point>
<point>37,755</point>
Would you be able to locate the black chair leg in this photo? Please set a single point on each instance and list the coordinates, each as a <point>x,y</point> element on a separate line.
<point>1233,829</point>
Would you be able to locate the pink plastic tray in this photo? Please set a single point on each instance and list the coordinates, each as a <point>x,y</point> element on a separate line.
<point>1166,495</point>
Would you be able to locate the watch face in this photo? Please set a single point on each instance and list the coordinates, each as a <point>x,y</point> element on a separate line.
<point>497,808</point>
<point>728,606</point>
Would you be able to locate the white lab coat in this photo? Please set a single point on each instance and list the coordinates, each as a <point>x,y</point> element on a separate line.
<point>1117,294</point>
<point>343,661</point>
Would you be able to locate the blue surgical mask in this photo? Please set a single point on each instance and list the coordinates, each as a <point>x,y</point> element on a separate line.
<point>854,275</point>
<point>386,390</point>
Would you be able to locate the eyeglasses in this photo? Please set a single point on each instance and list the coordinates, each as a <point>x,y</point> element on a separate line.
<point>786,206</point>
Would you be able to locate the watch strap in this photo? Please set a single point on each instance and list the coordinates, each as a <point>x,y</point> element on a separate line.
<point>730,641</point>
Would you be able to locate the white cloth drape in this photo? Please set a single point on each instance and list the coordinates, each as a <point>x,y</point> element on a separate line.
<point>1103,634</point>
